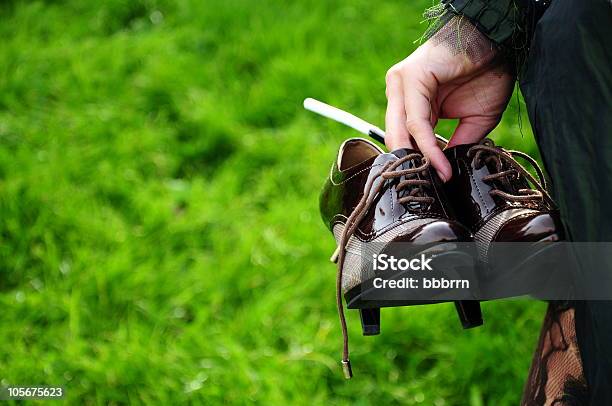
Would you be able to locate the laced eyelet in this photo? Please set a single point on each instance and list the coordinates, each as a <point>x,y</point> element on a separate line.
<point>513,173</point>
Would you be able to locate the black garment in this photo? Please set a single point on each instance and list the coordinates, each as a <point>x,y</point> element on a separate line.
<point>567,85</point>
<point>566,80</point>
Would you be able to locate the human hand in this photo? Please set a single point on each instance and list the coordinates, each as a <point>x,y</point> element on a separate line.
<point>454,74</point>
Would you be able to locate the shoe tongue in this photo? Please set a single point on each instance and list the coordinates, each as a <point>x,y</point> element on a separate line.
<point>395,155</point>
<point>402,152</point>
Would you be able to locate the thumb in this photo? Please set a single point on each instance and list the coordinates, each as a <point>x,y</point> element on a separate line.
<point>471,130</point>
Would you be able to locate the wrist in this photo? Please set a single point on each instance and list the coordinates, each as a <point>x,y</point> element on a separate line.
<point>460,37</point>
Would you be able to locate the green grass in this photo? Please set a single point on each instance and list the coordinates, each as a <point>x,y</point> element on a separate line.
<point>159,234</point>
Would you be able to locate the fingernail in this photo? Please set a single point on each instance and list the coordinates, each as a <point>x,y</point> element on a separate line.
<point>441,176</point>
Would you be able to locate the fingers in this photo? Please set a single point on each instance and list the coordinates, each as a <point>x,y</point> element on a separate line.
<point>417,95</point>
<point>396,134</point>
<point>479,106</point>
<point>472,130</point>
<point>408,120</point>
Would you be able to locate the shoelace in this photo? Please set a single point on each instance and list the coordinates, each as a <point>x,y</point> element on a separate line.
<point>487,151</point>
<point>369,195</point>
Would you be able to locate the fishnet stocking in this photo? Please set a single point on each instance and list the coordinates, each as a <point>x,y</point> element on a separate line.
<point>556,376</point>
<point>460,36</point>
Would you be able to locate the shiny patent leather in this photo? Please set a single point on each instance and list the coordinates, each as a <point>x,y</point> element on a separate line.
<point>474,206</point>
<point>539,227</point>
<point>344,188</point>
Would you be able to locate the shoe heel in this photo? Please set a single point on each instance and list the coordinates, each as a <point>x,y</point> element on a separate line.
<point>370,321</point>
<point>469,313</point>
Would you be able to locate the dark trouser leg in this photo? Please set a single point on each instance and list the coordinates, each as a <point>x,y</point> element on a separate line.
<point>568,90</point>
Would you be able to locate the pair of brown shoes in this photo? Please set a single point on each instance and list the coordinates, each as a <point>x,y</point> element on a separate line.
<point>374,200</point>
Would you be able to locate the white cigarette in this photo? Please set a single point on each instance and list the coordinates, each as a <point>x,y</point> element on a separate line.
<point>345,118</point>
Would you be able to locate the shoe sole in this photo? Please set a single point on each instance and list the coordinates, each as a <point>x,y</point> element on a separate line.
<point>536,274</point>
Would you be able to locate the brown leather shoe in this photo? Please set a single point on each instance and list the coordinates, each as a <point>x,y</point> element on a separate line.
<point>372,199</point>
<point>501,202</point>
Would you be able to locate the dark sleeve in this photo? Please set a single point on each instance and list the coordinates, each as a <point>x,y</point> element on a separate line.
<point>508,23</point>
